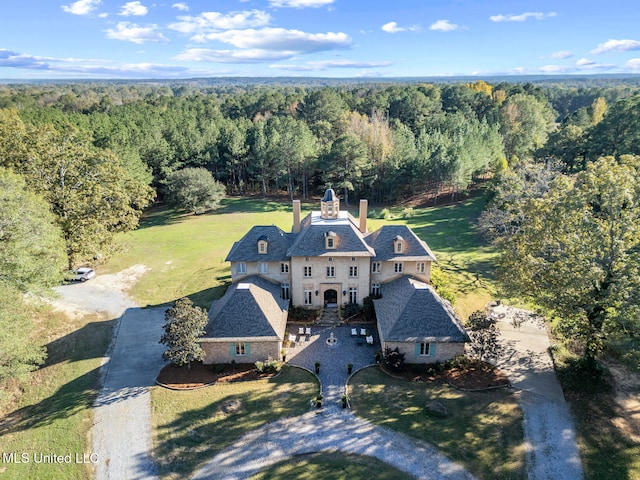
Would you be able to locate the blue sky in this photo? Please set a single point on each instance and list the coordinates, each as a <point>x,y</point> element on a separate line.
<point>57,39</point>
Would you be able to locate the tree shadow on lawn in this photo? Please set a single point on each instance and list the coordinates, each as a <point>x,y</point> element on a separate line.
<point>196,435</point>
<point>481,430</point>
<point>79,394</point>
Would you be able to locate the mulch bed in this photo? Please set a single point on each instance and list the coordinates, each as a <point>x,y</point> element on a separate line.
<point>476,376</point>
<point>199,375</point>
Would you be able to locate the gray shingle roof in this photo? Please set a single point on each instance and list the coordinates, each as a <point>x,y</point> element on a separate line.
<point>310,242</point>
<point>412,311</point>
<point>382,242</point>
<point>249,309</point>
<point>329,195</point>
<point>246,249</point>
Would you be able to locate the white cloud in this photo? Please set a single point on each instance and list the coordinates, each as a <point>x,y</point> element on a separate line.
<point>232,56</point>
<point>90,68</point>
<point>299,3</point>
<point>82,7</point>
<point>633,64</point>
<point>562,54</point>
<point>132,32</point>
<point>616,46</point>
<point>585,62</point>
<point>133,9</point>
<point>393,27</point>
<point>181,6</point>
<point>280,39</point>
<point>522,17</point>
<point>214,21</point>
<point>444,26</point>
<point>326,64</point>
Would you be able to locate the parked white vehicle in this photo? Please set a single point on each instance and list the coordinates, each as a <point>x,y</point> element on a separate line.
<point>83,274</point>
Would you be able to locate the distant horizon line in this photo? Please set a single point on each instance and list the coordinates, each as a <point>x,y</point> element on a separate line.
<point>374,79</point>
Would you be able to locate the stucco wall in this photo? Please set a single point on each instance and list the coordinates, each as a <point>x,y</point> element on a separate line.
<point>220,352</point>
<point>408,268</point>
<point>273,272</point>
<point>444,351</point>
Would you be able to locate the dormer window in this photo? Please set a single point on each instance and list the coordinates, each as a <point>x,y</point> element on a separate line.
<point>398,244</point>
<point>263,245</point>
<point>330,240</point>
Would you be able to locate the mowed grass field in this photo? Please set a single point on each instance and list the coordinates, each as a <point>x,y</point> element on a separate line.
<point>185,253</point>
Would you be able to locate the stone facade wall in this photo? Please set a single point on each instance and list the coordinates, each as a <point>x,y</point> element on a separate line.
<point>444,351</point>
<point>220,352</point>
<point>319,280</point>
<point>388,272</point>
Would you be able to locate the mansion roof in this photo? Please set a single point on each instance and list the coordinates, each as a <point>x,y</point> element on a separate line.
<point>249,309</point>
<point>411,311</point>
<point>246,249</point>
<point>382,242</point>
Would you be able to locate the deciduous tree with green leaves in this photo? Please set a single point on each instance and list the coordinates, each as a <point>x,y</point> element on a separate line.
<point>576,253</point>
<point>184,325</point>
<point>194,190</point>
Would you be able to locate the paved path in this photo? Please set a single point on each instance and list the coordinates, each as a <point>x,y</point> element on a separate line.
<point>122,423</point>
<point>552,451</point>
<point>316,432</point>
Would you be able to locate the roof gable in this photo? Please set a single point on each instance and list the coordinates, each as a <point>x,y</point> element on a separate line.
<point>246,249</point>
<point>412,311</point>
<point>251,308</point>
<point>311,241</point>
<point>384,239</point>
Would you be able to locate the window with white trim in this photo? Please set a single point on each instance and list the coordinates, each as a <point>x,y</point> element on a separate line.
<point>263,267</point>
<point>241,268</point>
<point>376,267</point>
<point>353,295</point>
<point>353,271</point>
<point>307,271</point>
<point>420,267</point>
<point>308,297</point>
<point>426,349</point>
<point>398,267</point>
<point>375,289</point>
<point>285,291</point>
<point>331,271</point>
<point>241,349</point>
<point>262,247</point>
<point>284,267</point>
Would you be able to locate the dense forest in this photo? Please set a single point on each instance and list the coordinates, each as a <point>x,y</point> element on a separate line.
<point>80,161</point>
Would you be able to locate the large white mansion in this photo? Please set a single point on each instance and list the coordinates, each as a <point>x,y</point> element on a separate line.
<point>330,257</point>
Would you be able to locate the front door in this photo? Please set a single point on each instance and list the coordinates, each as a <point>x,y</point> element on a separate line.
<point>330,297</point>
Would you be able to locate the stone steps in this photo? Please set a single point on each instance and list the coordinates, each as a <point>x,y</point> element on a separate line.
<point>330,317</point>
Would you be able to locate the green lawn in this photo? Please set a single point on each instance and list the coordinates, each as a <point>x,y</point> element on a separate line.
<point>483,430</point>
<point>50,412</point>
<point>331,466</point>
<point>186,253</point>
<point>190,427</point>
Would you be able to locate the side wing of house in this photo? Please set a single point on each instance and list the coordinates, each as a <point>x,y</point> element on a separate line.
<point>414,318</point>
<point>247,324</point>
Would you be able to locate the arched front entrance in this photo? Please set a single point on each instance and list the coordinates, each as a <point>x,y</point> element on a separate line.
<point>330,297</point>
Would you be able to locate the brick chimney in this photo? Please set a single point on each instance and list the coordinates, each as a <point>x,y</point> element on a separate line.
<point>363,215</point>
<point>296,216</point>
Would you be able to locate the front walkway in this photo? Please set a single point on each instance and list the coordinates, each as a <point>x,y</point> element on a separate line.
<point>333,358</point>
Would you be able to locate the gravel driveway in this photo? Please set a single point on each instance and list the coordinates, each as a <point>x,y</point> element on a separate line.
<point>121,431</point>
<point>552,451</point>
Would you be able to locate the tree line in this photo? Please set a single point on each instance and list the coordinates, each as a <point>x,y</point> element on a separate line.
<point>79,163</point>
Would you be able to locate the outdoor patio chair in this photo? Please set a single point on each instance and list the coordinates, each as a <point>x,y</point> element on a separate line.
<point>370,339</point>
<point>354,332</point>
<point>292,337</point>
<point>301,331</point>
<point>363,332</point>
<point>308,330</point>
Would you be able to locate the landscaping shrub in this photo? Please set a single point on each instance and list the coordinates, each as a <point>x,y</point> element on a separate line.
<point>394,359</point>
<point>268,366</point>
